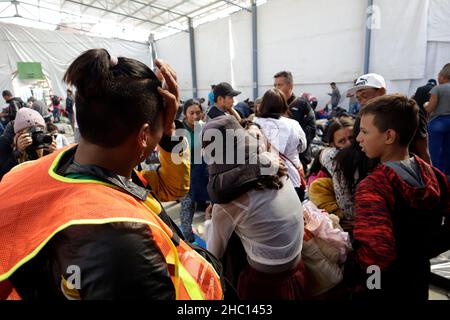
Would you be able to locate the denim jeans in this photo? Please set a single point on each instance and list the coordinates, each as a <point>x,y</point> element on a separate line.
<point>354,108</point>
<point>439,143</point>
<point>56,114</point>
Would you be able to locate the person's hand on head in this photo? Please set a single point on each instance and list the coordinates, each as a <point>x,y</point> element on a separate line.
<point>22,140</point>
<point>171,94</point>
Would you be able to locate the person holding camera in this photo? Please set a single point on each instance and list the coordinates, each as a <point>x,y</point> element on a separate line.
<point>24,140</point>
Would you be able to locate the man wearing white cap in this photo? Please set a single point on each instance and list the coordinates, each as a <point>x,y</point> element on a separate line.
<point>372,85</point>
<point>368,86</point>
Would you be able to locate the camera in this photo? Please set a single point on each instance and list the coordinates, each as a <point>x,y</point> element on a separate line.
<point>39,137</point>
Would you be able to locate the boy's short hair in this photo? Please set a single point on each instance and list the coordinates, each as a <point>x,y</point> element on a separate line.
<point>395,112</point>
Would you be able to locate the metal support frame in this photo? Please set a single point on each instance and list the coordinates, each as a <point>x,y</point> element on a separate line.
<point>237,5</point>
<point>193,58</point>
<point>255,49</point>
<point>15,3</point>
<point>189,14</point>
<point>368,38</point>
<point>169,10</point>
<point>125,15</point>
<point>117,8</point>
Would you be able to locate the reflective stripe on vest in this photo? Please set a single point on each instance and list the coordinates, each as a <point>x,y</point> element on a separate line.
<point>53,203</point>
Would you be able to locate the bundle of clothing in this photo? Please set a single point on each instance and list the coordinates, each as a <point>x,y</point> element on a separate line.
<point>325,249</point>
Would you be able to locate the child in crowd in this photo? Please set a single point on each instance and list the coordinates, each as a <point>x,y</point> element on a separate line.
<point>322,176</point>
<point>402,207</point>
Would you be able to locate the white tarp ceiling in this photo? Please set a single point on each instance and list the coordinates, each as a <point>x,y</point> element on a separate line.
<point>125,19</point>
<point>55,50</point>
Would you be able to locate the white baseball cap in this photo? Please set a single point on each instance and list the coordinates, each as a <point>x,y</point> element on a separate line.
<point>370,80</point>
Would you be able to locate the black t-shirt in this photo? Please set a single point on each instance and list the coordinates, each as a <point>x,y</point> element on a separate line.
<point>422,128</point>
<point>69,104</point>
<point>302,111</point>
<point>422,94</point>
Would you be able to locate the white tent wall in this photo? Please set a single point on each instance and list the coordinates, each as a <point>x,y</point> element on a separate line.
<point>212,44</point>
<point>55,50</point>
<point>439,21</point>
<point>323,41</point>
<point>400,40</point>
<point>175,50</point>
<point>423,59</point>
<point>318,41</point>
<point>240,25</point>
<point>224,47</point>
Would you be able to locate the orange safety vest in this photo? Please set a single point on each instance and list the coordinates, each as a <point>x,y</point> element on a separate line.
<point>38,203</point>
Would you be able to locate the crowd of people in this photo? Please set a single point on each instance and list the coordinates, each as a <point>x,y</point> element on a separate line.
<point>294,210</point>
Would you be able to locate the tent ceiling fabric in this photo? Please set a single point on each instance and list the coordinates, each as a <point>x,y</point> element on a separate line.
<point>127,19</point>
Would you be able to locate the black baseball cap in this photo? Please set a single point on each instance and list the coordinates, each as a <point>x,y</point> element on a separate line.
<point>225,89</point>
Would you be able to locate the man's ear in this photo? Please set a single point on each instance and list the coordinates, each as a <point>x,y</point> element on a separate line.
<point>390,136</point>
<point>143,135</point>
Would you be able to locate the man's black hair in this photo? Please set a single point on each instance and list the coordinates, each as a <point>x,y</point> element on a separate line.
<point>6,93</point>
<point>113,100</point>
